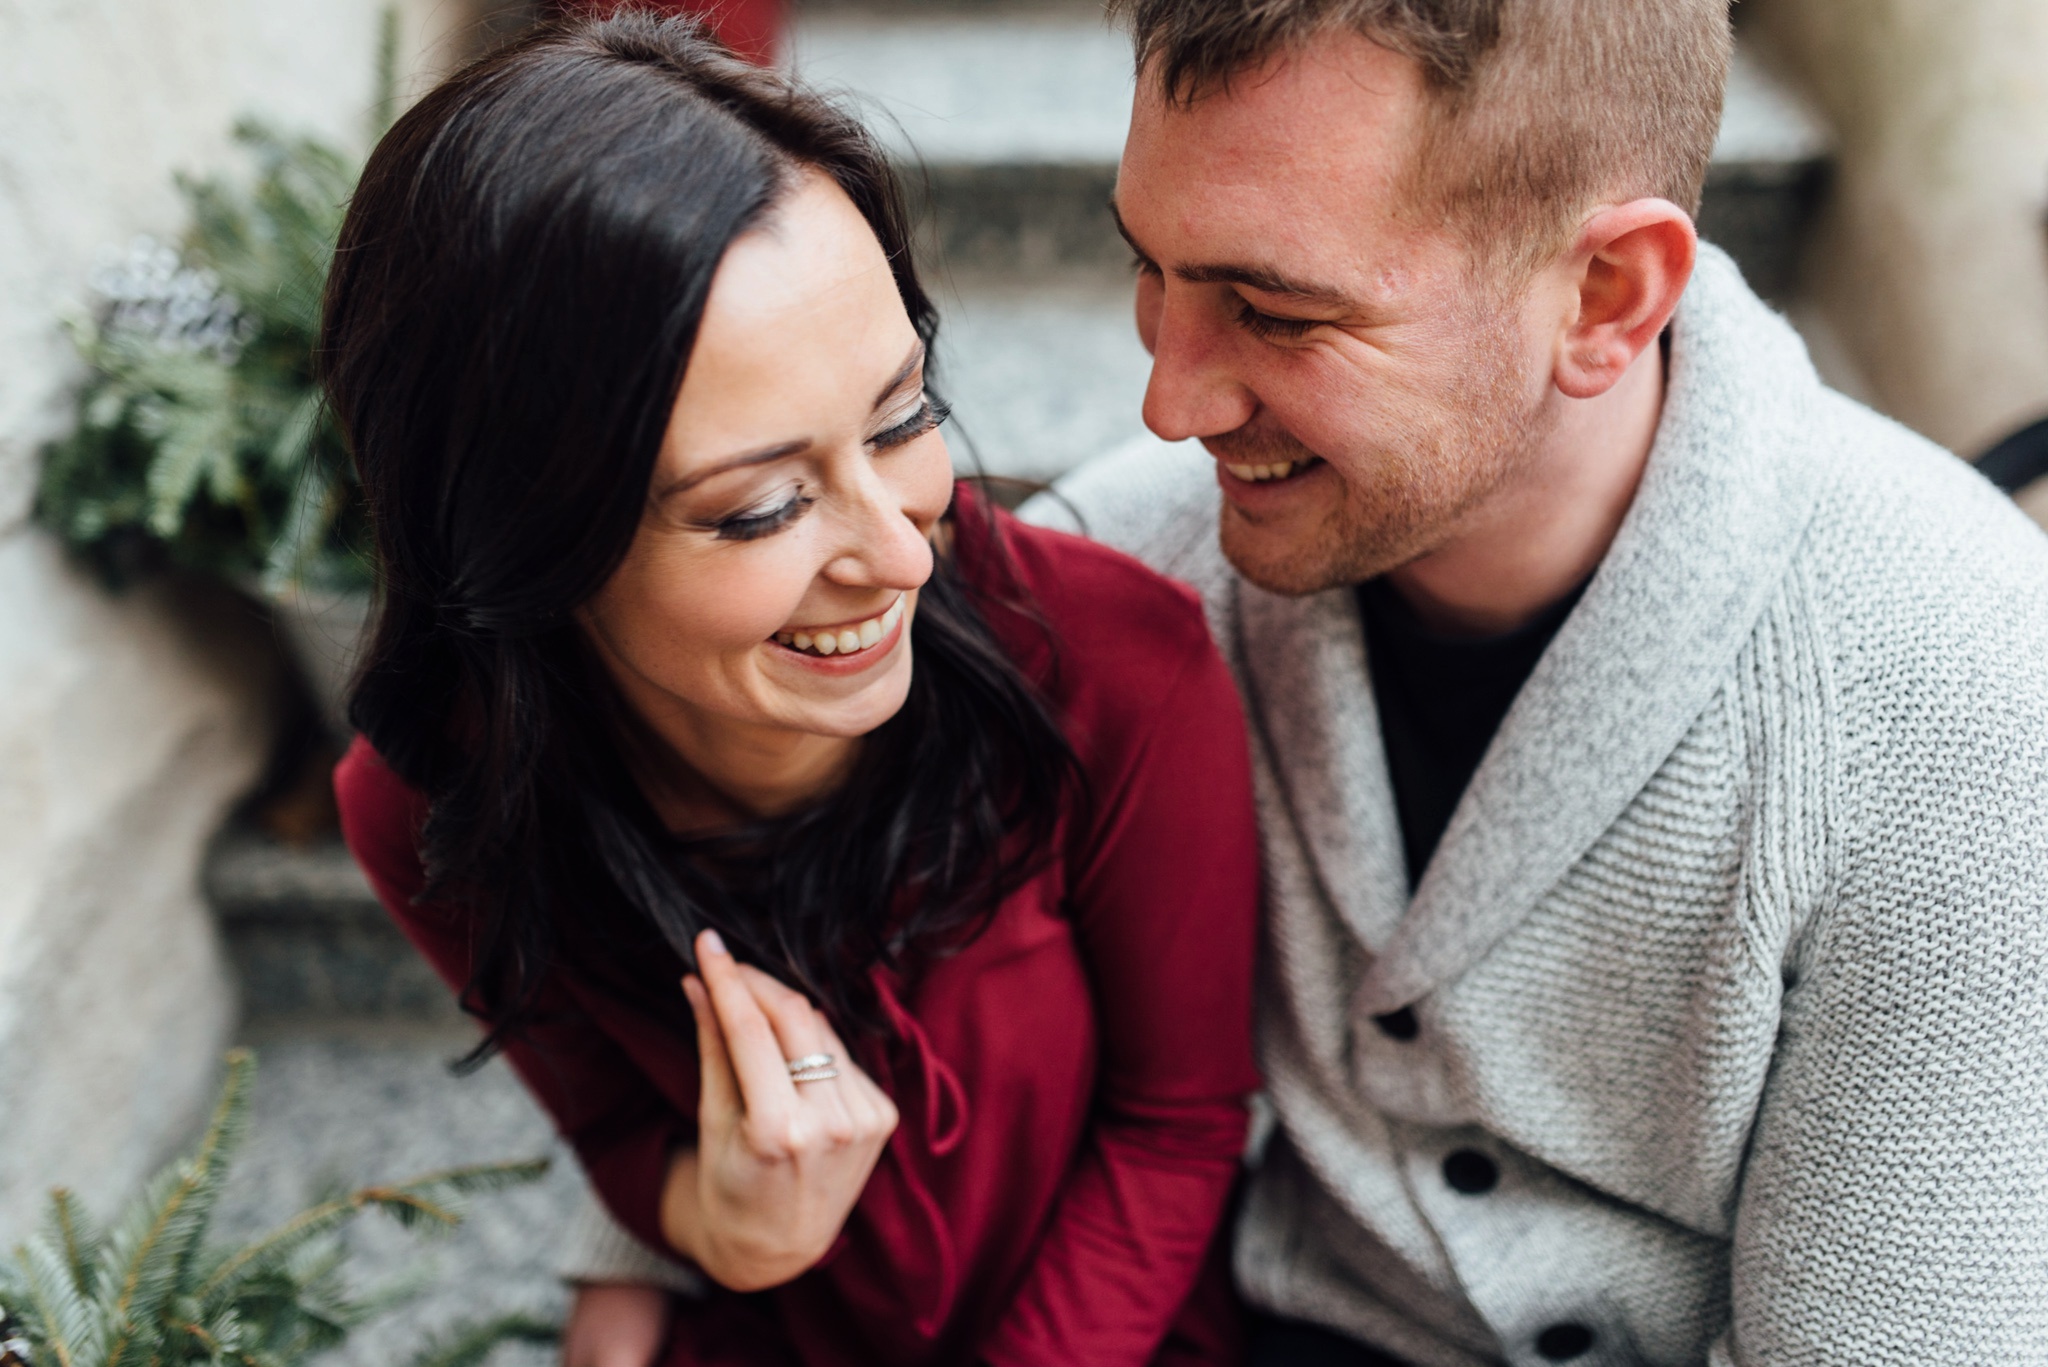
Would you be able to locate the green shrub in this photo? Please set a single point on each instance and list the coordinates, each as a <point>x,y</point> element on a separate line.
<point>200,436</point>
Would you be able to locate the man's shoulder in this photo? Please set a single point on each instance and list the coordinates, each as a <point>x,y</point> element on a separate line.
<point>1907,534</point>
<point>1155,501</point>
<point>1929,590</point>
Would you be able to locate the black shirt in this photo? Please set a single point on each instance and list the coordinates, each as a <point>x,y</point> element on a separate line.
<point>1440,699</point>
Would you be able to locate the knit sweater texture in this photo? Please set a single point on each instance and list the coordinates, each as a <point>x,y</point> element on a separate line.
<point>1730,965</point>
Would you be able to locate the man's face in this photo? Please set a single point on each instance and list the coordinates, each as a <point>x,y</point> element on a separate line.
<point>1339,354</point>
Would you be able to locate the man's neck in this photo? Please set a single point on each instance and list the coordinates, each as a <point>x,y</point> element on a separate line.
<point>1545,531</point>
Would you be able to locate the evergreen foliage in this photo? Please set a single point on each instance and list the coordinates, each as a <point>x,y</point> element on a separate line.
<point>151,1291</point>
<point>200,436</point>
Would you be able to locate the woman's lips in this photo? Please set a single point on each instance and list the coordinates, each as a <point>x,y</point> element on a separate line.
<point>866,653</point>
<point>850,639</point>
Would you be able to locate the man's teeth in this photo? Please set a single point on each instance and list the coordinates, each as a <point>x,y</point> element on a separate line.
<point>1259,474</point>
<point>845,640</point>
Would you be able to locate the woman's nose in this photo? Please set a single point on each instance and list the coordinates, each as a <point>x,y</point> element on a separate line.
<point>887,535</point>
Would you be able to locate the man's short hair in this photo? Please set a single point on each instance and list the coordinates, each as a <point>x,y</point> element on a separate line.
<point>1540,109</point>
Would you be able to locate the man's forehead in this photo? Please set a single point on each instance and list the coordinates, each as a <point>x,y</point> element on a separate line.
<point>1298,155</point>
<point>1346,104</point>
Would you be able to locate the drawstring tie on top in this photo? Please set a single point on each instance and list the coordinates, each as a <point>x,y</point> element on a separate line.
<point>945,1125</point>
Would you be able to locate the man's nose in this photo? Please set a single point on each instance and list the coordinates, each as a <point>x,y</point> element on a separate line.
<point>1192,392</point>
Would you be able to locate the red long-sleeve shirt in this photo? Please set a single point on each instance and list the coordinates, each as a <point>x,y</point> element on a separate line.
<point>1071,1084</point>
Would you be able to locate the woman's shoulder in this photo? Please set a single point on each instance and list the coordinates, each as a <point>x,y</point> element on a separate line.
<point>1118,649</point>
<point>1113,620</point>
<point>381,816</point>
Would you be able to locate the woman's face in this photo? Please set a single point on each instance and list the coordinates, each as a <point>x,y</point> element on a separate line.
<point>788,525</point>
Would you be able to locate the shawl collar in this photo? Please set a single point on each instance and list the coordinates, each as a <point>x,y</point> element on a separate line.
<point>1308,689</point>
<point>1724,500</point>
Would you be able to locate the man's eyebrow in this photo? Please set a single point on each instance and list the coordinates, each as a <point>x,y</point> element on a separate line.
<point>1116,216</point>
<point>1269,282</point>
<point>783,450</point>
<point>1252,277</point>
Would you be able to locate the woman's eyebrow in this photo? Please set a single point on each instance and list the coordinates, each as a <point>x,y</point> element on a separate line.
<point>780,451</point>
<point>896,382</point>
<point>786,449</point>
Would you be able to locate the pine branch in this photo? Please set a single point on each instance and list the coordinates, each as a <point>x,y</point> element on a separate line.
<point>173,1221</point>
<point>409,1202</point>
<point>477,1178</point>
<point>74,1232</point>
<point>275,1247</point>
<point>52,1312</point>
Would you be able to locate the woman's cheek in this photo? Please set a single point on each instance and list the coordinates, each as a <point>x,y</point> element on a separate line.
<point>932,484</point>
<point>684,607</point>
<point>725,618</point>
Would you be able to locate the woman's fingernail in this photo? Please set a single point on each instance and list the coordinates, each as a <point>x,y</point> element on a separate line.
<point>710,943</point>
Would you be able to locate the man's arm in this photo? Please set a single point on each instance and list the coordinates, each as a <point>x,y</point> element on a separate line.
<point>1894,1208</point>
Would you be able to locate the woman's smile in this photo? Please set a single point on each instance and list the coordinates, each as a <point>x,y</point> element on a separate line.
<point>848,647</point>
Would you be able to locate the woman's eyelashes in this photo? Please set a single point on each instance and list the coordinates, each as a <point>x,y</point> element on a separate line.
<point>756,521</point>
<point>929,414</point>
<point>748,525</point>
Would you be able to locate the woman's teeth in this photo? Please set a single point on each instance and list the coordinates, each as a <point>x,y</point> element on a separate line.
<point>844,640</point>
<point>1259,474</point>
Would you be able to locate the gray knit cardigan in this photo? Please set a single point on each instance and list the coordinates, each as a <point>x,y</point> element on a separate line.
<point>1729,971</point>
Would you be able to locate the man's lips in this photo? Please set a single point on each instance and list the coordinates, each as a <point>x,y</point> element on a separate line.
<point>1252,473</point>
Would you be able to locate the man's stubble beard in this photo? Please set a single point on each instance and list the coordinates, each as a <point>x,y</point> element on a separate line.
<point>1395,505</point>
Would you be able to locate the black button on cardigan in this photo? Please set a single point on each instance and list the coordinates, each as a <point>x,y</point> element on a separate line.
<point>1400,1025</point>
<point>1563,1342</point>
<point>1471,1172</point>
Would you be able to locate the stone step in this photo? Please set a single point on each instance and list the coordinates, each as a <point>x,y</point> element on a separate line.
<point>307,937</point>
<point>1011,123</point>
<point>1041,375</point>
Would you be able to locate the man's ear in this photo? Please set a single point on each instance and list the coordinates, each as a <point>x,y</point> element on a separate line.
<point>1632,263</point>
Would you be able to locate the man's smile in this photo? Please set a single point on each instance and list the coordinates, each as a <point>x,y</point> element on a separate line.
<point>1266,474</point>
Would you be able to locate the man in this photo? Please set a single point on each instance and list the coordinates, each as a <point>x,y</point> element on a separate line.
<point>1652,745</point>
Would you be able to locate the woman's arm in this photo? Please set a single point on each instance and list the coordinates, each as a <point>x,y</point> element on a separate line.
<point>1165,909</point>
<point>610,1077</point>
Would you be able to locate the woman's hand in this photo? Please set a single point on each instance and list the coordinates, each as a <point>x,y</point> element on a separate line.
<point>778,1163</point>
<point>615,1324</point>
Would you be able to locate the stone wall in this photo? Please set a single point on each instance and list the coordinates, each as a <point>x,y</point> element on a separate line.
<point>1930,265</point>
<point>128,723</point>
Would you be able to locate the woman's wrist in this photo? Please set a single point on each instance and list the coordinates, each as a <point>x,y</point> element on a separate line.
<point>728,1256</point>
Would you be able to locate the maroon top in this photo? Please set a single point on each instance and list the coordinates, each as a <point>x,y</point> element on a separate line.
<point>1071,1084</point>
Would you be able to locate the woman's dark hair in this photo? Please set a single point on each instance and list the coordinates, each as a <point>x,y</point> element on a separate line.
<point>513,301</point>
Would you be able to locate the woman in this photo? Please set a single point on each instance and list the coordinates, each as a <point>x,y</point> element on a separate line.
<point>694,667</point>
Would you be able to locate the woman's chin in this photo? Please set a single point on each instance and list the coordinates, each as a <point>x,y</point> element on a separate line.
<point>846,703</point>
